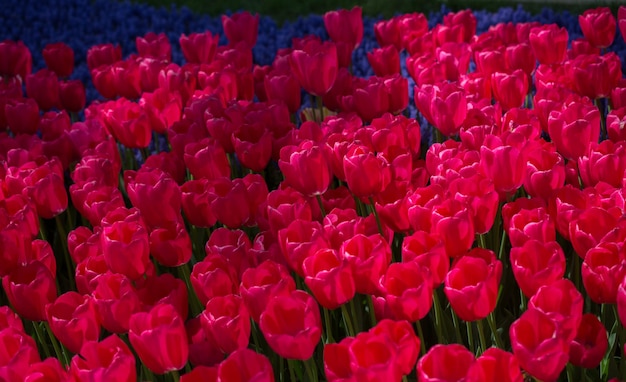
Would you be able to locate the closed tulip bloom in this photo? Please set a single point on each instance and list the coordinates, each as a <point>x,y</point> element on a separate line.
<point>116,300</point>
<point>589,228</point>
<point>614,122</point>
<point>245,365</point>
<point>445,363</point>
<point>562,303</point>
<point>472,284</point>
<point>444,106</point>
<point>603,270</point>
<point>366,173</point>
<point>126,245</point>
<point>593,75</point>
<point>292,325</point>
<point>29,288</point>
<point>374,356</point>
<point>549,43</point>
<point>574,128</point>
<point>213,276</point>
<point>128,122</point>
<point>451,220</point>
<point>206,159</point>
<point>159,338</point>
<point>109,359</point>
<point>330,278</point>
<point>536,264</point>
<point>22,116</point>
<point>199,48</point>
<point>241,26</point>
<point>531,224</point>
<point>43,87</point>
<point>260,284</point>
<point>147,188</point>
<point>16,59</point>
<point>103,54</point>
<point>388,33</point>
<point>545,172</point>
<point>306,167</point>
<point>407,290</point>
<point>510,90</point>
<point>315,65</point>
<point>284,87</point>
<point>227,321</point>
<point>154,46</point>
<point>384,61</point>
<point>621,20</point>
<point>369,257</point>
<point>495,365</point>
<point>345,26</point>
<point>59,58</point>
<point>598,26</point>
<point>73,320</point>
<point>541,352</point>
<point>590,344</point>
<point>603,163</point>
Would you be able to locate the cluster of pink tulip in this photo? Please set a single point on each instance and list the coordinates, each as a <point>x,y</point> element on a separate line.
<point>321,242</point>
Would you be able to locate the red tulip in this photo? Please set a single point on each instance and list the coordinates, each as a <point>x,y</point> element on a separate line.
<point>59,58</point>
<point>108,359</point>
<point>595,76</point>
<point>103,54</point>
<point>388,33</point>
<point>574,128</point>
<point>19,352</point>
<point>163,108</point>
<point>43,87</point>
<point>330,278</point>
<point>531,224</point>
<point>227,321</point>
<point>444,106</point>
<point>230,201</point>
<point>407,290</point>
<point>154,45</point>
<point>537,345</point>
<point>206,159</point>
<point>445,363</point>
<point>598,26</point>
<point>199,48</point>
<point>315,65</point>
<point>472,283</point>
<point>128,123</point>
<point>306,167</point>
<point>495,365</point>
<point>292,325</point>
<point>562,303</point>
<point>159,338</point>
<point>589,228</point>
<point>520,56</point>
<point>260,284</point>
<point>213,276</point>
<point>374,356</point>
<point>49,369</point>
<point>22,116</point>
<point>590,344</point>
<point>369,98</point>
<point>16,59</point>
<point>536,264</point>
<point>73,320</point>
<point>490,61</point>
<point>29,287</point>
<point>451,220</point>
<point>147,188</point>
<point>241,26</point>
<point>510,90</point>
<point>284,87</point>
<point>369,257</point>
<point>127,78</point>
<point>366,173</point>
<point>545,172</point>
<point>384,61</point>
<point>116,300</point>
<point>246,365</point>
<point>614,122</point>
<point>549,43</point>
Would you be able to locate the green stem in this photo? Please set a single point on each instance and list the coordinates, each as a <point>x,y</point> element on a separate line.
<point>492,324</point>
<point>196,305</point>
<point>61,355</point>
<point>523,301</point>
<point>438,318</point>
<point>321,204</point>
<point>380,227</point>
<point>347,320</point>
<point>66,254</point>
<point>370,304</point>
<point>420,334</point>
<point>457,327</point>
<point>292,372</point>
<point>481,335</point>
<point>481,241</point>
<point>470,337</point>
<point>327,324</point>
<point>311,370</point>
<point>40,340</point>
<point>570,372</point>
<point>175,375</point>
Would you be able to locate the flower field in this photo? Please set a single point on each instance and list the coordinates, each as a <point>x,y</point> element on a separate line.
<point>432,197</point>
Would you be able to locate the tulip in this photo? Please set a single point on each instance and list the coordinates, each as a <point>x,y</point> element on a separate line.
<point>407,290</point>
<point>590,344</point>
<point>245,365</point>
<point>574,128</point>
<point>537,346</point>
<point>444,106</point>
<point>366,173</point>
<point>260,284</point>
<point>510,90</point>
<point>345,26</point>
<point>595,76</point>
<point>29,287</point>
<point>19,352</point>
<point>384,61</point>
<point>549,43</point>
<point>562,303</point>
<point>227,321</point>
<point>59,58</point>
<point>292,325</point>
<point>109,358</point>
<point>374,356</point>
<point>241,26</point>
<point>598,26</point>
<point>315,66</point>
<point>199,48</point>
<point>116,300</point>
<point>154,45</point>
<point>536,264</point>
<point>206,159</point>
<point>159,338</point>
<point>73,320</point>
<point>17,60</point>
<point>388,33</point>
<point>495,365</point>
<point>436,365</point>
<point>451,220</point>
<point>103,54</point>
<point>43,87</point>
<point>471,285</point>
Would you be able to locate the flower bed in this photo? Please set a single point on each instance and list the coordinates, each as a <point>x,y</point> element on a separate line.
<point>431,198</point>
